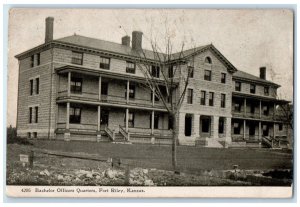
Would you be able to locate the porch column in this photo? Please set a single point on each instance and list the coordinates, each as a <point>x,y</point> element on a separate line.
<point>245,106</point>
<point>259,130</point>
<point>152,123</point>
<point>244,129</point>
<point>153,96</point>
<point>196,124</point>
<point>215,127</point>
<point>259,108</point>
<point>152,128</point>
<point>127,92</point>
<point>69,84</point>
<point>126,120</point>
<point>98,124</point>
<point>67,131</point>
<point>274,112</point>
<point>228,131</point>
<point>100,83</point>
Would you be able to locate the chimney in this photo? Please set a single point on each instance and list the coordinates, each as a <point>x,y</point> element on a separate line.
<point>137,40</point>
<point>262,72</point>
<point>126,40</point>
<point>49,29</point>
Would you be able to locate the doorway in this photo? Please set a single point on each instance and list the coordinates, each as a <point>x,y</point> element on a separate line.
<point>188,125</point>
<point>104,118</point>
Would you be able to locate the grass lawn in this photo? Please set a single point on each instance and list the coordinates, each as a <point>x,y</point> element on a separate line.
<point>190,159</point>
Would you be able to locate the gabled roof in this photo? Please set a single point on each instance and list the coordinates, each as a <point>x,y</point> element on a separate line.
<point>246,76</point>
<point>107,46</point>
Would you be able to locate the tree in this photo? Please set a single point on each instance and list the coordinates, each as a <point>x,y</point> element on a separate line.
<point>171,87</point>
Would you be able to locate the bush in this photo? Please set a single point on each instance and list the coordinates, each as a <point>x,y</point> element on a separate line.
<point>12,137</point>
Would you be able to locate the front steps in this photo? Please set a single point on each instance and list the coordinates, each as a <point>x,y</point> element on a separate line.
<point>210,142</point>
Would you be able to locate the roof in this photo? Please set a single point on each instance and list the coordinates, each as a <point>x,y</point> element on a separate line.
<point>246,76</point>
<point>107,46</point>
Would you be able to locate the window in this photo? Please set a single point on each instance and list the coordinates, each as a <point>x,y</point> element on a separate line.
<point>207,75</point>
<point>30,115</point>
<point>252,88</point>
<point>190,96</point>
<point>76,85</point>
<point>31,87</point>
<point>203,98</point>
<point>155,70</point>
<point>130,119</point>
<point>205,122</point>
<point>221,125</point>
<point>238,86</point>
<point>38,59</point>
<point>211,98</point>
<point>191,72</point>
<point>266,110</point>
<point>155,97</point>
<point>75,115</point>
<point>172,69</point>
<point>156,121</point>
<point>131,91</point>
<point>223,100</point>
<point>280,127</point>
<point>266,91</point>
<point>77,58</point>
<point>104,63</point>
<point>34,135</point>
<point>236,128</point>
<point>32,61</point>
<point>104,88</point>
<point>37,86</point>
<point>130,67</point>
<point>252,108</point>
<point>265,130</point>
<point>170,123</point>
<point>36,114</point>
<point>28,135</point>
<point>223,77</point>
<point>208,60</point>
<point>237,107</point>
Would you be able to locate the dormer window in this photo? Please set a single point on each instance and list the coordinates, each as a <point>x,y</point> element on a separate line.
<point>208,60</point>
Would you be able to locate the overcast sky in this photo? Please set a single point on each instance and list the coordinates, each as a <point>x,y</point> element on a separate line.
<point>247,38</point>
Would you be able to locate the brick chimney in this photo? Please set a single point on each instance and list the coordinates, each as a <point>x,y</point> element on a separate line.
<point>137,40</point>
<point>262,72</point>
<point>49,29</point>
<point>126,40</point>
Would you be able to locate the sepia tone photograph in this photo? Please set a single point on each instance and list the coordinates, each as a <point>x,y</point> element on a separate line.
<point>148,102</point>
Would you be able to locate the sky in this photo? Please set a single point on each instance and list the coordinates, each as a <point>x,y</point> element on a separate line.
<point>249,38</point>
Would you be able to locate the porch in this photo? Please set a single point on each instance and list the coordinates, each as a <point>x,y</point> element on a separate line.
<point>98,123</point>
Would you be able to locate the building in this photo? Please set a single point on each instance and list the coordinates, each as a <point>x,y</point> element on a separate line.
<point>80,88</point>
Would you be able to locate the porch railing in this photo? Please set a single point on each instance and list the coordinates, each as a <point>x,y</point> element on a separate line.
<point>110,133</point>
<point>77,127</point>
<point>123,132</point>
<point>147,131</point>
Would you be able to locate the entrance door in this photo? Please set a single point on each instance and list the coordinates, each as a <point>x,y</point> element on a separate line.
<point>104,118</point>
<point>188,125</point>
<point>251,129</point>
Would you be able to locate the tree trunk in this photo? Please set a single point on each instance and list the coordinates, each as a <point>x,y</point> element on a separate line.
<point>174,142</point>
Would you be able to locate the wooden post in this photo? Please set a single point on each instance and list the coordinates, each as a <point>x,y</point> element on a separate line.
<point>69,84</point>
<point>153,96</point>
<point>152,123</point>
<point>274,135</point>
<point>126,120</point>
<point>68,116</point>
<point>259,108</point>
<point>99,87</point>
<point>99,118</point>
<point>259,130</point>
<point>127,92</point>
<point>31,157</point>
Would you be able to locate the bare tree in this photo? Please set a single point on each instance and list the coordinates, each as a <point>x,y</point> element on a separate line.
<point>170,86</point>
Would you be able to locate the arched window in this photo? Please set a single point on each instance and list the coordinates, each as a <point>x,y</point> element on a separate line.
<point>208,60</point>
